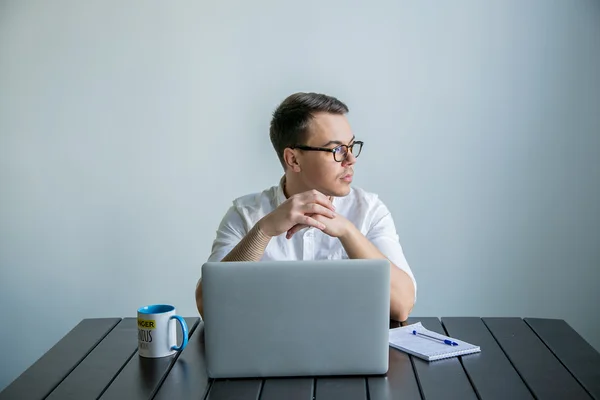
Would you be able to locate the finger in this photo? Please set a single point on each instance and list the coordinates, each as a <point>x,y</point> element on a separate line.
<point>308,220</point>
<point>295,229</point>
<point>314,208</point>
<point>314,196</point>
<point>304,221</point>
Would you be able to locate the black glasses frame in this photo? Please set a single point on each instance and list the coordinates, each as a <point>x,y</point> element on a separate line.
<point>335,150</point>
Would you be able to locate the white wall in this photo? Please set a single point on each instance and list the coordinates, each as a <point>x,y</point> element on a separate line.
<point>126,129</point>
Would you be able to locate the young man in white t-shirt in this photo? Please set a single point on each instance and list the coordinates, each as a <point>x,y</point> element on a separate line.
<point>314,213</point>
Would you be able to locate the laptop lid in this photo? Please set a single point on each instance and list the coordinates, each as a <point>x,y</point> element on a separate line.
<point>296,318</point>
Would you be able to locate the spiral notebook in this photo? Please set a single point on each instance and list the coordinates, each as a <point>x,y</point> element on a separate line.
<point>429,349</point>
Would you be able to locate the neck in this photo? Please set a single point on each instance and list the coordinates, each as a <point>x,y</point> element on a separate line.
<point>292,185</point>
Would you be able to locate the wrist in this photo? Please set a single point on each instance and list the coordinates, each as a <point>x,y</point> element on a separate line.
<point>262,228</point>
<point>348,231</point>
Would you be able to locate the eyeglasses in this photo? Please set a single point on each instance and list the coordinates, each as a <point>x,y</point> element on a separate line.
<point>340,153</point>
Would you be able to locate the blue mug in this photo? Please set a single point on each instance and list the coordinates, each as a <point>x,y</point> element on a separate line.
<point>157,333</point>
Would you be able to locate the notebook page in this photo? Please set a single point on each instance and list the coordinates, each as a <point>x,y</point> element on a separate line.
<point>426,348</point>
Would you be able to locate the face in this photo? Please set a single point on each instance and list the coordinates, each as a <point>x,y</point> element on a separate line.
<point>318,169</point>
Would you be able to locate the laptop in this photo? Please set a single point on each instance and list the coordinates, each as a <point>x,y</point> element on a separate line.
<point>296,318</point>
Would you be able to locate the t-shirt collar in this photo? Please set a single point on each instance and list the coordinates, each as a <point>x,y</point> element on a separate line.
<point>280,191</point>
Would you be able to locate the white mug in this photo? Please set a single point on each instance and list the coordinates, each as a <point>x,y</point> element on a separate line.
<point>157,334</point>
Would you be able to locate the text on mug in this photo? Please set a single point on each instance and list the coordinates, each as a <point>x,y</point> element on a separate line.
<point>146,323</point>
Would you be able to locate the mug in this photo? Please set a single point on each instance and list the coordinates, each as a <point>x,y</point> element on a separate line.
<point>157,334</point>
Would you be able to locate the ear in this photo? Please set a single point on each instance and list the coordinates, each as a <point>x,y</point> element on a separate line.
<point>291,160</point>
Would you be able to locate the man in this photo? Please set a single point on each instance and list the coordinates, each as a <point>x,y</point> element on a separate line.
<point>314,213</point>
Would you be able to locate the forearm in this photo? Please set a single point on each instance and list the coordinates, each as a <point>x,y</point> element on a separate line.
<point>250,248</point>
<point>402,291</point>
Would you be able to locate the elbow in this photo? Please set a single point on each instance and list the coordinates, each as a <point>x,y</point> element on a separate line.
<point>402,295</point>
<point>401,315</point>
<point>199,298</point>
<point>402,310</point>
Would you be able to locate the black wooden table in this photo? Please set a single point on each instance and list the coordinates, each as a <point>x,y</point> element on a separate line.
<point>520,359</point>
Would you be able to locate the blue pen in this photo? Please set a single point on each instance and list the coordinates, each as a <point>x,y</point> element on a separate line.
<point>448,342</point>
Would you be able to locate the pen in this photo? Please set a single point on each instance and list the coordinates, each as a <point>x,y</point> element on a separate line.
<point>448,342</point>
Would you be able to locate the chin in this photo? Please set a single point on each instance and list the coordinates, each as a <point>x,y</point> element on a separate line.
<point>341,191</point>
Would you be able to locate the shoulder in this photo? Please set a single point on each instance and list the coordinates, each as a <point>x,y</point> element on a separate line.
<point>246,210</point>
<point>365,209</point>
<point>255,202</point>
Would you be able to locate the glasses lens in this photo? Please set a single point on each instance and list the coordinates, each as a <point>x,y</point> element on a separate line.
<point>356,148</point>
<point>340,153</point>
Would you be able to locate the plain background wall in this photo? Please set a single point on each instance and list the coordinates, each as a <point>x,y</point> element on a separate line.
<point>127,128</point>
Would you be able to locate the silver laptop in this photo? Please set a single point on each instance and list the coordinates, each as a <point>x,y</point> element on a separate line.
<point>296,318</point>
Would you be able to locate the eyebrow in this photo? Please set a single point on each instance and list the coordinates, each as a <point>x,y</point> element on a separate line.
<point>337,142</point>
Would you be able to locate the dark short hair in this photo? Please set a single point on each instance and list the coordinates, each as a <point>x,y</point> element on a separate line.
<point>291,120</point>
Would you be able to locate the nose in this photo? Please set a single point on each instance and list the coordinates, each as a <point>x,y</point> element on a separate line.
<point>350,159</point>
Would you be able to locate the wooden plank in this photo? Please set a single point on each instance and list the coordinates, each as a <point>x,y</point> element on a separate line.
<point>288,389</point>
<point>235,389</point>
<point>141,377</point>
<point>399,382</point>
<point>347,388</point>
<point>188,378</point>
<point>360,388</point>
<point>101,366</point>
<point>580,358</point>
<point>490,371</point>
<point>49,370</point>
<point>545,376</point>
<point>442,379</point>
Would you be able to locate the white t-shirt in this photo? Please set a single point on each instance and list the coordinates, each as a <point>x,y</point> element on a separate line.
<point>365,210</point>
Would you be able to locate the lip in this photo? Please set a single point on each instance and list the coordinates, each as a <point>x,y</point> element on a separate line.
<point>347,178</point>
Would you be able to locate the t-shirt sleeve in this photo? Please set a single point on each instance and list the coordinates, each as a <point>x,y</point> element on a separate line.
<point>383,235</point>
<point>230,232</point>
